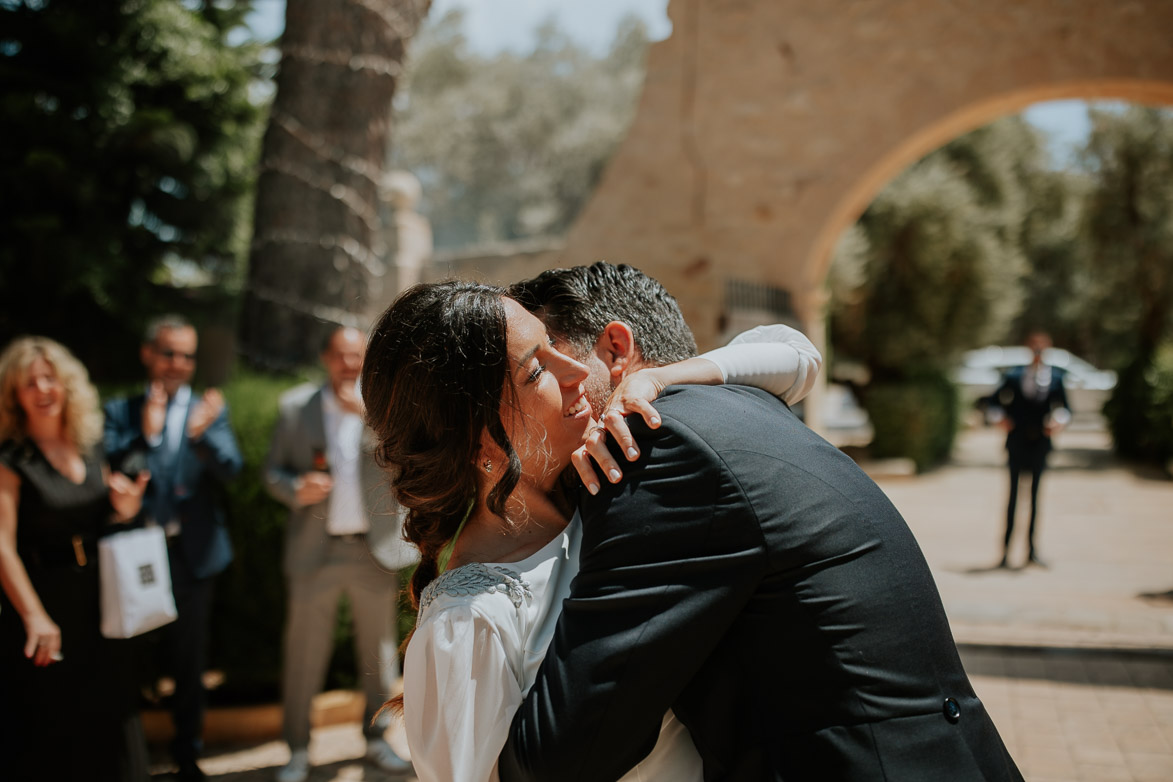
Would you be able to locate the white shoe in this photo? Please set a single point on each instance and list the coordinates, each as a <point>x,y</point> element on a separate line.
<point>380,753</point>
<point>298,767</point>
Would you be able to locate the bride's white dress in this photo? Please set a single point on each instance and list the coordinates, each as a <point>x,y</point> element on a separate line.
<point>483,632</point>
<point>484,628</point>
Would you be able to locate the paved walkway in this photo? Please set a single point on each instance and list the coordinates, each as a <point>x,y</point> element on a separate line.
<point>1074,662</point>
<point>1105,530</point>
<point>1068,715</point>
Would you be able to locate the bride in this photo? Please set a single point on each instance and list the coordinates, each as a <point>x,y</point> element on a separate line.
<point>478,416</point>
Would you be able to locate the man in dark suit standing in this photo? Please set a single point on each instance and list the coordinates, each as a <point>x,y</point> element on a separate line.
<point>1032,405</point>
<point>191,453</point>
<point>747,575</point>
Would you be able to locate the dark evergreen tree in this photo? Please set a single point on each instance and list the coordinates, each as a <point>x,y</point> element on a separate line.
<point>128,152</point>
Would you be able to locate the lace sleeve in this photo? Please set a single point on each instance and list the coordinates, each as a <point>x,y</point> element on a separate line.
<point>460,686</point>
<point>475,579</point>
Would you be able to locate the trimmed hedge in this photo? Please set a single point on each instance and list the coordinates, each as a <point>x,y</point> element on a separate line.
<point>248,613</point>
<point>1140,410</point>
<point>915,418</point>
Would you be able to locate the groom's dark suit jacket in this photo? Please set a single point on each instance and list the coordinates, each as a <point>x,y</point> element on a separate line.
<point>749,576</point>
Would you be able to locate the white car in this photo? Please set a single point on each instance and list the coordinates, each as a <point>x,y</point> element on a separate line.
<point>845,422</point>
<point>981,372</point>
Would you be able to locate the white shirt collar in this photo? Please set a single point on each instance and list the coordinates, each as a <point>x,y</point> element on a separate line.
<point>182,396</point>
<point>330,401</point>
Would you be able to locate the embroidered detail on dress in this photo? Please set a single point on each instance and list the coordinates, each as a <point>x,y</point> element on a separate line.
<point>475,579</point>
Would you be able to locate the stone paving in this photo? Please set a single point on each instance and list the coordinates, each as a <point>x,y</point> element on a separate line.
<point>1106,532</point>
<point>1079,715</point>
<point>1074,662</point>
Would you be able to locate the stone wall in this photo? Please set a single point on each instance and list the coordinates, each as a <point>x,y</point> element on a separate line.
<point>500,263</point>
<point>766,126</point>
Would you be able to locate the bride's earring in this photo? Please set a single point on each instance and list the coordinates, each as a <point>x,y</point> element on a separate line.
<point>488,465</point>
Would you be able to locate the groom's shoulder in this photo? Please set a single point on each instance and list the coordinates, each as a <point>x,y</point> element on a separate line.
<point>720,401</point>
<point>724,411</point>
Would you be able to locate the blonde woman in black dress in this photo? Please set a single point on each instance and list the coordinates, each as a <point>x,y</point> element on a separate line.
<point>68,694</point>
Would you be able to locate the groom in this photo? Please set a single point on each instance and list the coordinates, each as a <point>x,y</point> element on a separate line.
<point>745,574</point>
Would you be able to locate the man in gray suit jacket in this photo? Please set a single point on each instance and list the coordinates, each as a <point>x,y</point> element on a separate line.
<point>343,537</point>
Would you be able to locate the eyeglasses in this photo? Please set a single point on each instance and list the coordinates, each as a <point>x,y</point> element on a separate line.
<point>173,354</point>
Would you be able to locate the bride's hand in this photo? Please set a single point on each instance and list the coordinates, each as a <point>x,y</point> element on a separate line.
<point>634,394</point>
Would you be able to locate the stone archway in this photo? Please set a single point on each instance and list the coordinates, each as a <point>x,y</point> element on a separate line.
<point>869,184</point>
<point>767,126</point>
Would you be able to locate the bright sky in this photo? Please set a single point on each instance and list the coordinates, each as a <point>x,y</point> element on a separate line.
<point>495,25</point>
<point>1065,122</point>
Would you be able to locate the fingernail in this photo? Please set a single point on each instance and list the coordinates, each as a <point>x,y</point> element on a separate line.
<point>632,453</point>
<point>655,421</point>
<point>615,475</point>
<point>593,488</point>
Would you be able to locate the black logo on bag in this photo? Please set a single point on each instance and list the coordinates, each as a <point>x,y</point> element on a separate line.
<point>146,574</point>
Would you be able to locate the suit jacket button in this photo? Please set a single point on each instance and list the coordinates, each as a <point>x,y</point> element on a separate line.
<point>951,710</point>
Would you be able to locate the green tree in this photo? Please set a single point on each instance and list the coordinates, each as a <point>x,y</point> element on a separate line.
<point>511,146</point>
<point>933,268</point>
<point>1128,223</point>
<point>129,145</point>
<point>1058,282</point>
<point>1034,212</point>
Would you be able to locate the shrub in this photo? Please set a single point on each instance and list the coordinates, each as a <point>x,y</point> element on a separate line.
<point>914,418</point>
<point>248,613</point>
<point>1140,410</point>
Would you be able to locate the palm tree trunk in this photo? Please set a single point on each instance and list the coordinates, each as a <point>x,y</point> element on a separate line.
<point>316,259</point>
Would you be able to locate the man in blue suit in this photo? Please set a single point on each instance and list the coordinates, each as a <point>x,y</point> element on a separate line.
<point>1033,406</point>
<point>186,443</point>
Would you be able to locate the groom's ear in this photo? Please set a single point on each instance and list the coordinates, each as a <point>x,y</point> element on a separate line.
<point>617,349</point>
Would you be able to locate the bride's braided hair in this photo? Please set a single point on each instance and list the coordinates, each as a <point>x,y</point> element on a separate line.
<point>433,380</point>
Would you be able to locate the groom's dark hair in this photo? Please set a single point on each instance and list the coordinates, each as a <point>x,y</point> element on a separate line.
<point>576,304</point>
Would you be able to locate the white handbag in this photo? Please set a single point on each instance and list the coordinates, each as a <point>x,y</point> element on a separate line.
<point>135,582</point>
